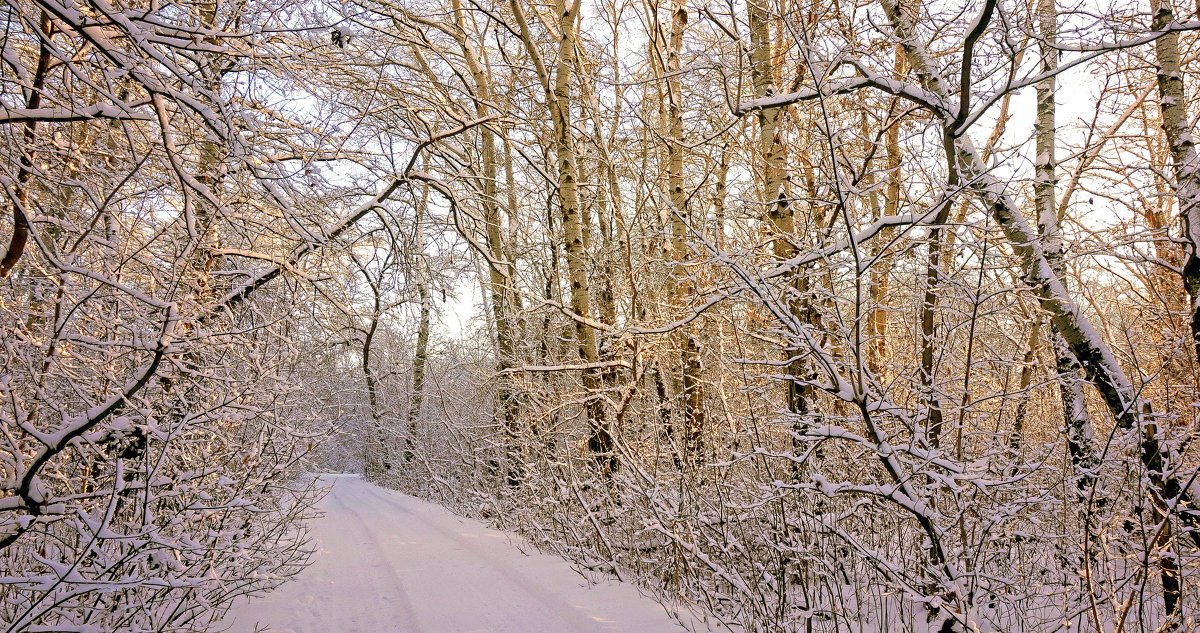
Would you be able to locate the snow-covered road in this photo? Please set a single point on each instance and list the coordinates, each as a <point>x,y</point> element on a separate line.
<point>387,562</point>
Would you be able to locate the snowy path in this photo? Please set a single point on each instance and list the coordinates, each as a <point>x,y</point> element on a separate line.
<point>390,563</point>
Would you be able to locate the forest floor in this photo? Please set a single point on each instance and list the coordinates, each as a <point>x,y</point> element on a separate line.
<point>387,562</point>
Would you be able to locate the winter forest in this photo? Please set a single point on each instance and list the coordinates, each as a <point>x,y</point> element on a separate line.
<point>814,315</point>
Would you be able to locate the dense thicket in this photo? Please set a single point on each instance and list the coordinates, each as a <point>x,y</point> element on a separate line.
<point>788,325</point>
<point>825,316</point>
<point>154,419</point>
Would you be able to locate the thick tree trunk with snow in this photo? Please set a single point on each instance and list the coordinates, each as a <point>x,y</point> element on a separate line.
<point>1130,412</point>
<point>1085,343</point>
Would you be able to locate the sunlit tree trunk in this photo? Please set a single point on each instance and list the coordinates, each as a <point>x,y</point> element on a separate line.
<point>500,271</point>
<point>1172,100</point>
<point>780,213</point>
<point>682,288</point>
<point>18,192</point>
<point>881,273</point>
<point>557,90</point>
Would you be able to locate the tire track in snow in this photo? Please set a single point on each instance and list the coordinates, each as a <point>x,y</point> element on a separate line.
<point>396,585</point>
<point>559,608</point>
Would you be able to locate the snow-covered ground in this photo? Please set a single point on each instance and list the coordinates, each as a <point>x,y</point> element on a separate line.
<point>387,562</point>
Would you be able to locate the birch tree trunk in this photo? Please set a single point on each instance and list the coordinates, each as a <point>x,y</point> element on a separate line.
<point>558,101</point>
<point>418,369</point>
<point>1089,349</point>
<point>1185,162</point>
<point>682,288</point>
<point>500,270</point>
<point>424,276</point>
<point>1080,438</point>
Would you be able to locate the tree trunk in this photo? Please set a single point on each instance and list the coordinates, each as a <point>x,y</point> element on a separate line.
<point>877,323</point>
<point>20,230</point>
<point>930,398</point>
<point>1028,364</point>
<point>375,448</point>
<point>682,288</point>
<point>558,101</point>
<point>1080,441</point>
<point>500,271</point>
<point>779,212</point>
<point>1185,161</point>
<point>418,370</point>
